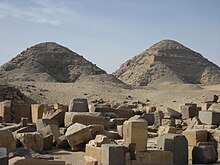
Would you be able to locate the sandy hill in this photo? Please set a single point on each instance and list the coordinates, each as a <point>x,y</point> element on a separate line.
<point>48,62</point>
<point>168,61</point>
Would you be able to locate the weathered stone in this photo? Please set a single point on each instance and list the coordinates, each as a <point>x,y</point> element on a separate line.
<point>124,111</point>
<point>209,117</point>
<point>22,110</point>
<point>55,114</point>
<point>173,113</point>
<point>62,142</point>
<point>90,161</point>
<point>120,130</point>
<point>7,140</point>
<point>6,111</point>
<point>78,105</point>
<point>112,154</point>
<point>204,154</point>
<point>85,118</point>
<point>167,129</point>
<point>188,111</point>
<point>37,111</point>
<point>177,144</point>
<point>47,142</point>
<point>3,156</point>
<point>77,134</point>
<point>149,117</point>
<point>47,127</point>
<point>195,136</point>
<point>32,140</point>
<point>168,122</point>
<point>96,129</point>
<point>94,152</point>
<point>193,122</point>
<point>158,116</point>
<point>136,132</point>
<point>100,140</point>
<point>32,161</point>
<point>151,157</point>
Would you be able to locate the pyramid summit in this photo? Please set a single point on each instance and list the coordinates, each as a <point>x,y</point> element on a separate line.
<point>49,62</point>
<point>168,61</point>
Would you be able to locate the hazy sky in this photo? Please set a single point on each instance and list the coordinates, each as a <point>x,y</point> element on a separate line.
<point>109,32</point>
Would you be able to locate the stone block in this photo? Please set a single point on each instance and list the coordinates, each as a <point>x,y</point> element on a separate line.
<point>195,136</point>
<point>7,140</point>
<point>22,110</point>
<point>136,132</point>
<point>77,134</point>
<point>32,161</point>
<point>32,140</point>
<point>112,154</point>
<point>3,156</point>
<point>6,111</point>
<point>90,161</point>
<point>158,116</point>
<point>124,111</point>
<point>37,111</point>
<point>85,118</point>
<point>48,127</point>
<point>168,122</point>
<point>149,117</point>
<point>167,129</point>
<point>152,157</point>
<point>55,114</point>
<point>209,117</point>
<point>94,152</point>
<point>188,111</point>
<point>78,105</point>
<point>120,130</point>
<point>204,154</point>
<point>177,144</point>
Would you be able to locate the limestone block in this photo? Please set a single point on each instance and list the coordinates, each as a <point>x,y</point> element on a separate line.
<point>188,111</point>
<point>6,110</point>
<point>204,154</point>
<point>85,118</point>
<point>152,157</point>
<point>167,129</point>
<point>32,140</point>
<point>7,140</point>
<point>77,134</point>
<point>78,105</point>
<point>37,111</point>
<point>158,116</point>
<point>90,161</point>
<point>177,144</point>
<point>3,156</point>
<point>120,130</point>
<point>94,152</point>
<point>32,161</point>
<point>112,154</point>
<point>149,117</point>
<point>55,114</point>
<point>136,132</point>
<point>194,136</point>
<point>47,127</point>
<point>209,117</point>
<point>22,110</point>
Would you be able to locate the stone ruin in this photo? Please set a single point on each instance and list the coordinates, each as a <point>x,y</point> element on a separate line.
<point>110,134</point>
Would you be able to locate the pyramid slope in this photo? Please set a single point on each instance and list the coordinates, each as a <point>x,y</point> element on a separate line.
<point>170,61</point>
<point>48,62</point>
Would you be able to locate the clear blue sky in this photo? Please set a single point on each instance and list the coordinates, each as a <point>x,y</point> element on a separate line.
<point>108,32</point>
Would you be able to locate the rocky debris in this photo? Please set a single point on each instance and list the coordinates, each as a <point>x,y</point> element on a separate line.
<point>142,137</point>
<point>165,61</point>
